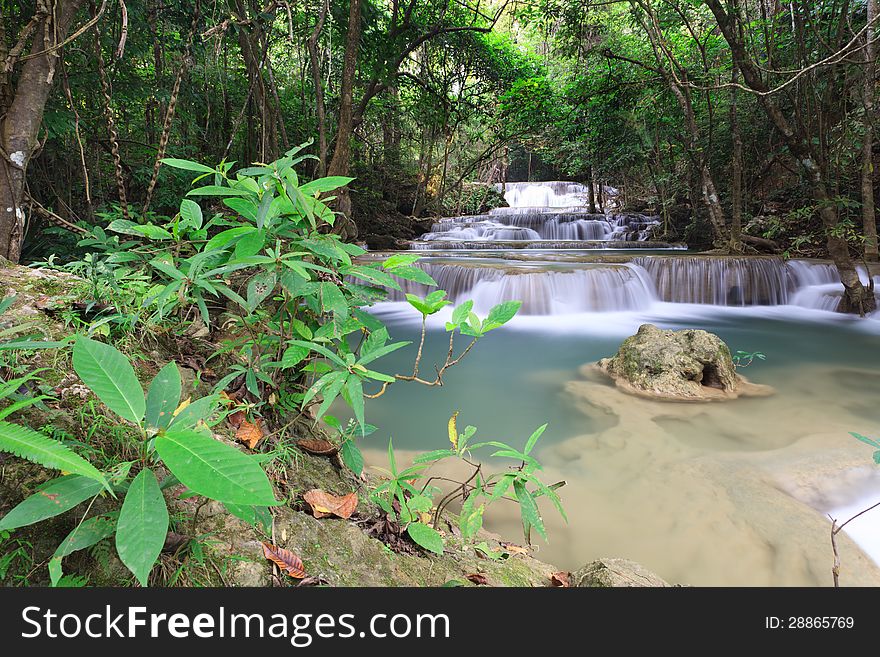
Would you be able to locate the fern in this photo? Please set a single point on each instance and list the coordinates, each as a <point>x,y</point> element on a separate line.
<point>33,446</point>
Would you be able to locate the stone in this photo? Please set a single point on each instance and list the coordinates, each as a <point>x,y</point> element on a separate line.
<point>604,573</point>
<point>677,365</point>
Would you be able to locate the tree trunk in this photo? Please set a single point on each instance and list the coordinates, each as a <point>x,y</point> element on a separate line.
<point>869,219</point>
<point>20,122</point>
<point>320,111</point>
<point>591,190</point>
<point>857,298</point>
<point>339,165</point>
<point>736,169</point>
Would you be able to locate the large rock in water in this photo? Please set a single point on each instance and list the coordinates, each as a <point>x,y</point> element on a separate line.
<point>684,365</point>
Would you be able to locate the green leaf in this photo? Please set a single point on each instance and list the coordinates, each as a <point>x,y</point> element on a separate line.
<point>461,312</point>
<point>255,516</point>
<point>83,536</point>
<point>191,212</point>
<point>163,396</point>
<point>501,314</point>
<point>414,274</point>
<point>400,260</point>
<point>374,276</point>
<point>333,299</point>
<point>436,455</point>
<point>58,496</point>
<point>864,439</point>
<point>355,390</point>
<point>293,356</point>
<point>187,165</point>
<point>216,190</point>
<point>259,287</point>
<point>142,525</point>
<point>33,446</point>
<point>877,457</point>
<point>190,416</point>
<point>126,227</point>
<point>111,377</point>
<point>472,523</point>
<point>530,443</point>
<point>214,469</point>
<point>325,184</point>
<point>221,240</point>
<point>428,537</point>
<point>531,516</point>
<point>352,456</point>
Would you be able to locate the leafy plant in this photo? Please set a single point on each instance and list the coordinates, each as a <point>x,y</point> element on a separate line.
<point>174,435</point>
<point>745,358</point>
<point>413,505</point>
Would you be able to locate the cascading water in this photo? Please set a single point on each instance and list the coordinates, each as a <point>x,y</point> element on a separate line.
<point>636,284</point>
<point>538,214</point>
<point>733,493</point>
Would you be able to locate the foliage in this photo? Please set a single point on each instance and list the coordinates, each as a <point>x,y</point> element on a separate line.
<point>172,438</point>
<point>408,495</point>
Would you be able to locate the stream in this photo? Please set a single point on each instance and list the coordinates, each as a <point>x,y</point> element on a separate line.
<point>731,493</point>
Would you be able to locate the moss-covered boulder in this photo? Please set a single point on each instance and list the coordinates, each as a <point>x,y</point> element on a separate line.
<point>683,365</point>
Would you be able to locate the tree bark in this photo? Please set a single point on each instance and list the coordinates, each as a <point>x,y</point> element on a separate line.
<point>20,121</point>
<point>736,169</point>
<point>320,110</point>
<point>857,298</point>
<point>591,190</point>
<point>339,164</point>
<point>869,219</point>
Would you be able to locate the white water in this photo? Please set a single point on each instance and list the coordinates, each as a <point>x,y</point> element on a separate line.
<point>734,493</point>
<point>551,288</point>
<point>544,211</point>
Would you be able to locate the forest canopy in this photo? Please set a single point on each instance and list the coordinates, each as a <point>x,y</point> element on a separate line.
<point>740,122</point>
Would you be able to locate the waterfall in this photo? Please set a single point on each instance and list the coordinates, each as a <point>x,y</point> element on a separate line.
<point>556,288</point>
<point>590,288</point>
<point>539,212</point>
<point>552,194</point>
<point>718,281</point>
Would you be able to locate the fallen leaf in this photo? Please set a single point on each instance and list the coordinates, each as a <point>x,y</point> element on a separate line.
<point>285,560</point>
<point>324,504</point>
<point>479,579</point>
<point>561,579</point>
<point>317,447</point>
<point>513,548</point>
<point>236,418</point>
<point>249,433</point>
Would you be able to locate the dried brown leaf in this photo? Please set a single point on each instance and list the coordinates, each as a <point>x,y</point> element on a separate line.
<point>285,560</point>
<point>249,433</point>
<point>561,579</point>
<point>479,579</point>
<point>317,447</point>
<point>513,548</point>
<point>324,504</point>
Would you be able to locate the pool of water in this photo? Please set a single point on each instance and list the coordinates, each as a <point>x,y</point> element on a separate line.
<point>731,493</point>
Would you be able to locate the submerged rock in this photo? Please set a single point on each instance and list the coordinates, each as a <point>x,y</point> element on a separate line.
<point>683,365</point>
<point>615,573</point>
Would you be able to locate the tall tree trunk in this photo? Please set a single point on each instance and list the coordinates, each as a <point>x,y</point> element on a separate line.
<point>736,169</point>
<point>869,219</point>
<point>20,121</point>
<point>591,189</point>
<point>857,298</point>
<point>339,164</point>
<point>317,82</point>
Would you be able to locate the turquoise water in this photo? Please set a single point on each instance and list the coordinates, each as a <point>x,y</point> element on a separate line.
<point>730,493</point>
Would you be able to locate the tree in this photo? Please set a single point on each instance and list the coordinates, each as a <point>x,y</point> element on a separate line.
<point>26,83</point>
<point>857,298</point>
